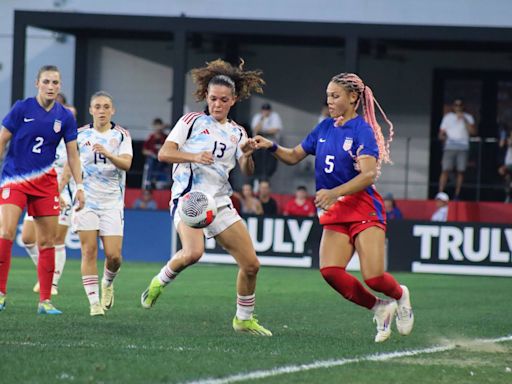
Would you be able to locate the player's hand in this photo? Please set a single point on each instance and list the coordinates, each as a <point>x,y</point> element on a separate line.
<point>203,158</point>
<point>62,203</point>
<point>261,142</point>
<point>248,147</point>
<point>98,148</point>
<point>80,199</point>
<point>325,198</point>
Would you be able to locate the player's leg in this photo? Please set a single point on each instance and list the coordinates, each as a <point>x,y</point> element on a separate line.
<point>28,237</point>
<point>336,251</point>
<point>60,255</point>
<point>447,165</point>
<point>112,248</point>
<point>46,229</point>
<point>192,241</point>
<point>236,240</point>
<point>10,214</point>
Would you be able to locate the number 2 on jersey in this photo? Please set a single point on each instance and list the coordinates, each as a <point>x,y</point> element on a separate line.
<point>37,146</point>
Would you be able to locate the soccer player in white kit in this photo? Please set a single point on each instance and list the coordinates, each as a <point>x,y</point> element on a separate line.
<point>204,148</point>
<point>67,187</point>
<point>106,154</point>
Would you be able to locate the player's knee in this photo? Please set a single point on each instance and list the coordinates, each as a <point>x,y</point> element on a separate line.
<point>45,242</point>
<point>252,268</point>
<point>191,256</point>
<point>7,234</point>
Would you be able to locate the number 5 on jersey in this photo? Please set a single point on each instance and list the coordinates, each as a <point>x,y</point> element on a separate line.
<point>329,161</point>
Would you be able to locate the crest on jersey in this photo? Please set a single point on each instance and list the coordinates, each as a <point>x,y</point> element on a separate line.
<point>57,125</point>
<point>113,142</point>
<point>233,139</point>
<point>347,144</point>
<point>6,192</point>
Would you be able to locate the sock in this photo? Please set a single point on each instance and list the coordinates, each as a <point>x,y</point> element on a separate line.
<point>5,263</point>
<point>167,275</point>
<point>60,260</point>
<point>386,284</point>
<point>245,306</point>
<point>45,269</point>
<point>348,286</point>
<point>33,252</point>
<point>92,289</point>
<point>108,277</point>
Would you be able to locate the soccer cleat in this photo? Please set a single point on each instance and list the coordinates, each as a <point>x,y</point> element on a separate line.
<point>36,287</point>
<point>46,308</point>
<point>149,296</point>
<point>404,314</point>
<point>250,326</point>
<point>107,296</point>
<point>3,301</point>
<point>97,310</point>
<point>383,316</point>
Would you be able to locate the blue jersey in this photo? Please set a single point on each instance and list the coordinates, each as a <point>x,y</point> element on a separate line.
<point>336,150</point>
<point>36,133</point>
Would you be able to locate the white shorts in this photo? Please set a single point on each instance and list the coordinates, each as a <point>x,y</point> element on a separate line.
<point>65,213</point>
<point>109,222</point>
<point>226,217</point>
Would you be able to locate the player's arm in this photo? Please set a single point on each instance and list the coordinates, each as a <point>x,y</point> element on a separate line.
<point>368,172</point>
<point>122,161</point>
<point>170,153</point>
<point>5,137</point>
<point>65,177</point>
<point>288,156</point>
<point>76,170</point>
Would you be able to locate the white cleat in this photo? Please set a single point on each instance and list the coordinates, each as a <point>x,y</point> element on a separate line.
<point>384,311</point>
<point>107,296</point>
<point>404,314</point>
<point>97,310</point>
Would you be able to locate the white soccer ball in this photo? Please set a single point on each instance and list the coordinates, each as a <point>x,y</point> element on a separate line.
<point>197,209</point>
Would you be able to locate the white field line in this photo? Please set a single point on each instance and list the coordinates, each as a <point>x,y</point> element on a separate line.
<point>336,363</point>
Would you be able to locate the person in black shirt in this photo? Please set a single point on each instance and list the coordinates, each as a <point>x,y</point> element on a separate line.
<point>267,202</point>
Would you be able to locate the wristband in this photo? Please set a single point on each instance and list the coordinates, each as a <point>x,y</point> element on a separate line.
<point>273,148</point>
<point>80,187</point>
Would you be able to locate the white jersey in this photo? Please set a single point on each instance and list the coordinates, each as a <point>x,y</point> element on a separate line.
<point>197,132</point>
<point>61,158</point>
<point>104,183</point>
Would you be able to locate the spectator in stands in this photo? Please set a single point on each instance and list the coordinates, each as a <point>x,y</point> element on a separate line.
<point>392,211</point>
<point>324,113</point>
<point>249,203</point>
<point>266,123</point>
<point>300,205</point>
<point>155,173</point>
<point>505,169</point>
<point>268,203</point>
<point>62,99</point>
<point>455,129</point>
<point>145,201</point>
<point>441,213</point>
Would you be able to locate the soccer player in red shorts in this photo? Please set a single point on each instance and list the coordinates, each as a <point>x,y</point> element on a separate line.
<point>349,150</point>
<point>34,127</point>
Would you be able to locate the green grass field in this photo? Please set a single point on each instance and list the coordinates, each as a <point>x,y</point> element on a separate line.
<point>187,336</point>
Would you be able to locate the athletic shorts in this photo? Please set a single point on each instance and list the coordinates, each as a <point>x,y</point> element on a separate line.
<point>354,228</point>
<point>65,213</point>
<point>36,205</point>
<point>454,159</point>
<point>109,222</point>
<point>226,217</point>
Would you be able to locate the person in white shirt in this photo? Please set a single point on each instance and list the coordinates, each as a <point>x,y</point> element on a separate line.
<point>441,213</point>
<point>203,149</point>
<point>455,129</point>
<point>268,124</point>
<point>106,154</point>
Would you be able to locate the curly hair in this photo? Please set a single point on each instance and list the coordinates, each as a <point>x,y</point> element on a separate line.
<point>219,72</point>
<point>353,83</point>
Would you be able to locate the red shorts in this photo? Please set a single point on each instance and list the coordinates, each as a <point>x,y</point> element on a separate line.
<point>352,229</point>
<point>36,205</point>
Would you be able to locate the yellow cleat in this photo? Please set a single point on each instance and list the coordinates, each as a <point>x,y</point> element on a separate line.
<point>250,326</point>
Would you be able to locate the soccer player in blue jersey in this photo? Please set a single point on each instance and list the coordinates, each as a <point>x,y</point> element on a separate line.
<point>34,127</point>
<point>204,148</point>
<point>106,154</point>
<point>349,150</point>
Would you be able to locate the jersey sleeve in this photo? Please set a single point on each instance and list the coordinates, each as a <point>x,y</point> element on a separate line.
<point>70,128</point>
<point>180,131</point>
<point>126,148</point>
<point>366,142</point>
<point>12,120</point>
<point>241,143</point>
<point>309,143</point>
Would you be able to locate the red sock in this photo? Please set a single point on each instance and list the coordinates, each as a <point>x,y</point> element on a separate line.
<point>45,268</point>
<point>5,263</point>
<point>386,284</point>
<point>348,286</point>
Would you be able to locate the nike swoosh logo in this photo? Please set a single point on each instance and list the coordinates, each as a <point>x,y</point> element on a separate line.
<point>27,120</point>
<point>322,140</point>
<point>56,207</point>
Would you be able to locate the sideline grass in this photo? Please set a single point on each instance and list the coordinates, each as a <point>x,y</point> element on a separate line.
<point>187,336</point>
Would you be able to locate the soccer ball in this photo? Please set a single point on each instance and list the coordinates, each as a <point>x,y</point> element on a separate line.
<point>197,209</point>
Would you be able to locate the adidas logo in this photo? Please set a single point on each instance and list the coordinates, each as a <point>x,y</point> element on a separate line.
<point>205,132</point>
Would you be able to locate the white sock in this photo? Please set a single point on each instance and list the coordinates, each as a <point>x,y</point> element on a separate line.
<point>92,289</point>
<point>60,261</point>
<point>167,275</point>
<point>245,306</point>
<point>33,252</point>
<point>108,277</point>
